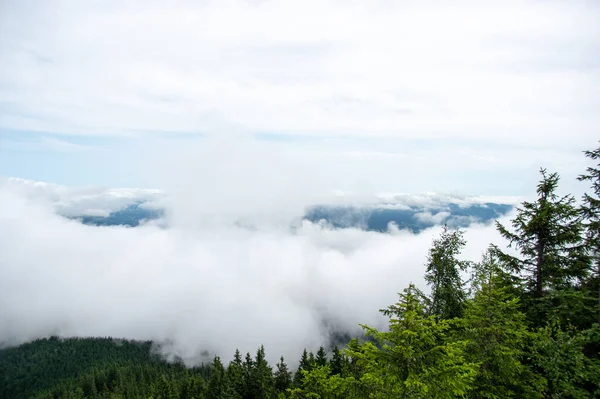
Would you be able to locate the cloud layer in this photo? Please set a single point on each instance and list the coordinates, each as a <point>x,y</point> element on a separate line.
<point>519,72</point>
<point>203,288</point>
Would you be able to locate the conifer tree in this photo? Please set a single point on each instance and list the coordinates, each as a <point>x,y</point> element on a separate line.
<point>262,385</point>
<point>559,356</point>
<point>217,384</point>
<point>497,337</point>
<point>248,367</point>
<point>415,358</point>
<point>304,365</point>
<point>591,213</point>
<point>319,383</point>
<point>235,374</point>
<point>283,377</point>
<point>321,358</point>
<point>443,274</point>
<point>337,361</point>
<point>548,235</point>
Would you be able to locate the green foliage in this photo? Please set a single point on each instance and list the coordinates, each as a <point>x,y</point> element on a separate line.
<point>338,362</point>
<point>262,384</point>
<point>559,357</point>
<point>591,213</point>
<point>306,365</point>
<point>443,274</point>
<point>282,377</point>
<point>46,363</point>
<point>319,383</point>
<point>415,358</point>
<point>497,336</point>
<point>321,358</point>
<point>548,235</point>
<point>235,375</point>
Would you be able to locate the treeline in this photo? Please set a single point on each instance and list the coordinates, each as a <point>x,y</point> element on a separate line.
<point>522,322</point>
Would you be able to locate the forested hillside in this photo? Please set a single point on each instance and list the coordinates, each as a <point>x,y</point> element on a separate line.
<point>524,324</point>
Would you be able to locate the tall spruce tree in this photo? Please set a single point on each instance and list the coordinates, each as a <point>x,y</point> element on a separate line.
<point>337,361</point>
<point>282,376</point>
<point>321,358</point>
<point>304,365</point>
<point>235,375</point>
<point>443,274</point>
<point>217,383</point>
<point>248,367</point>
<point>263,385</point>
<point>591,213</point>
<point>548,235</point>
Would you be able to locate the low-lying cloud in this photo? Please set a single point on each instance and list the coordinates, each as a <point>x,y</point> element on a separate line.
<point>205,288</point>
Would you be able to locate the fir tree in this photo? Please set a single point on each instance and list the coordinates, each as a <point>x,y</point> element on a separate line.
<point>443,274</point>
<point>337,361</point>
<point>304,365</point>
<point>248,367</point>
<point>321,358</point>
<point>235,375</point>
<point>283,377</point>
<point>591,213</point>
<point>262,385</point>
<point>548,235</point>
<point>415,358</point>
<point>217,384</point>
<point>497,338</point>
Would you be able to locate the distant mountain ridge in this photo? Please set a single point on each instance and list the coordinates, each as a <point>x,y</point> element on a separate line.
<point>132,207</point>
<point>414,219</point>
<point>370,218</point>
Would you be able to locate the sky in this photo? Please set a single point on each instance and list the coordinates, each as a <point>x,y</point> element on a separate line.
<point>398,96</point>
<point>251,111</point>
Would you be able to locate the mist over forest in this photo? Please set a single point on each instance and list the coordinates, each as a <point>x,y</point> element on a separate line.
<point>300,199</point>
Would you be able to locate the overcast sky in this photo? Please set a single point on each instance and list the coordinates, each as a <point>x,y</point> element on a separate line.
<point>466,96</point>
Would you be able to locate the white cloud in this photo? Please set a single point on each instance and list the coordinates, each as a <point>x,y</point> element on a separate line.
<point>429,218</point>
<point>204,287</point>
<point>78,201</point>
<point>521,72</point>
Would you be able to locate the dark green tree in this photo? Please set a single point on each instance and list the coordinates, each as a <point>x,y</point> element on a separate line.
<point>262,383</point>
<point>248,367</point>
<point>497,336</point>
<point>443,274</point>
<point>312,361</point>
<point>321,358</point>
<point>591,213</point>
<point>548,235</point>
<point>282,376</point>
<point>164,389</point>
<point>304,365</point>
<point>559,356</point>
<point>217,384</point>
<point>235,375</point>
<point>337,362</point>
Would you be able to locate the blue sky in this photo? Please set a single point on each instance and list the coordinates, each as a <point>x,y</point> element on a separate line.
<point>369,95</point>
